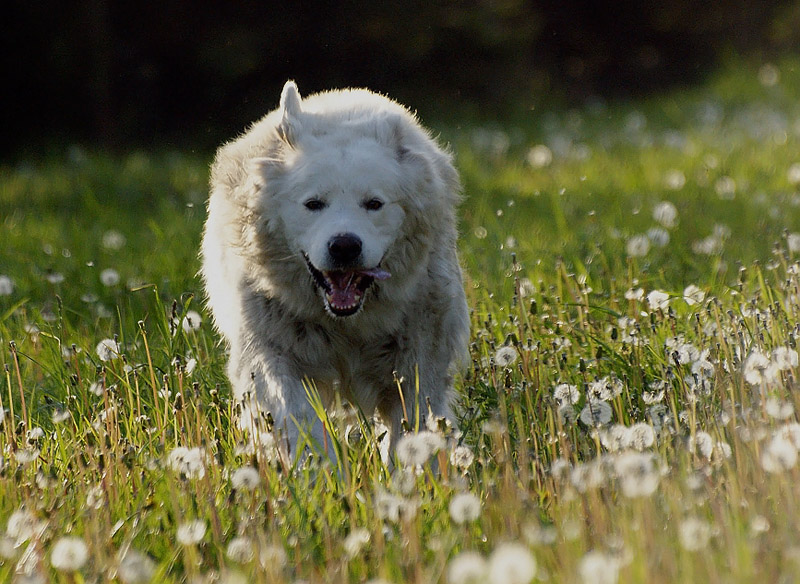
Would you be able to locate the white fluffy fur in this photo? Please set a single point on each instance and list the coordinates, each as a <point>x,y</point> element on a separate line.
<point>340,146</point>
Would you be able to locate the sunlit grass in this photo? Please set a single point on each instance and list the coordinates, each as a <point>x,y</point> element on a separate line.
<point>630,413</point>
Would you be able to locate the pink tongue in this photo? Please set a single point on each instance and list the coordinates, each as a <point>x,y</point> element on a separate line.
<point>377,273</point>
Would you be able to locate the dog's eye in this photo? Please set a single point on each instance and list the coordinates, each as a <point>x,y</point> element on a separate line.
<point>315,205</point>
<point>372,204</point>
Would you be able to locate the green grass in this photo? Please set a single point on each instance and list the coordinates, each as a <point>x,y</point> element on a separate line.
<point>704,489</point>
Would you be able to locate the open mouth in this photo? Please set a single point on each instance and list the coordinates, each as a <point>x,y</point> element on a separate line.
<point>343,290</point>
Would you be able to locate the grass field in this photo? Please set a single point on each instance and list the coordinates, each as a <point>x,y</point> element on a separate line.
<point>630,414</point>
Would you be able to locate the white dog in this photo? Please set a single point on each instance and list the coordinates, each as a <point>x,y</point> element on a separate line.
<point>329,256</point>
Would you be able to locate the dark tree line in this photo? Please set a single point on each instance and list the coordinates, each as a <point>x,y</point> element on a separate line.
<point>121,73</point>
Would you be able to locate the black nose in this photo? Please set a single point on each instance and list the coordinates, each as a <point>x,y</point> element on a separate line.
<point>344,248</point>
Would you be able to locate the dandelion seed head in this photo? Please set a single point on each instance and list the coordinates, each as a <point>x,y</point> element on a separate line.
<point>191,321</point>
<point>596,413</point>
<point>539,156</point>
<point>640,436</point>
<point>566,394</point>
<point>464,508</point>
<point>414,449</point>
<point>6,285</point>
<point>355,541</point>
<point>240,550</point>
<point>725,187</point>
<point>597,567</point>
<point>467,568</point>
<point>674,180</point>
<point>505,356</point>
<point>23,525</point>
<point>191,532</point>
<point>462,457</point>
<point>26,456</point>
<point>658,300</point>
<point>107,350</point>
<point>113,240</point>
<point>69,554</point>
<point>637,246</point>
<point>778,409</point>
<point>694,534</point>
<point>245,478</point>
<point>511,563</point>
<point>693,295</point>
<point>634,294</point>
<point>637,473</point>
<point>189,462</point>
<point>135,567</point>
<point>109,277</point>
<point>658,236</point>
<point>779,455</point>
<point>793,239</point>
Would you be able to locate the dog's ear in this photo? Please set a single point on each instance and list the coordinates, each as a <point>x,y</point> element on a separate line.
<point>291,110</point>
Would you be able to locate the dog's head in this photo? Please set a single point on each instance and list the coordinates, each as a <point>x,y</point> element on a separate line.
<point>350,174</point>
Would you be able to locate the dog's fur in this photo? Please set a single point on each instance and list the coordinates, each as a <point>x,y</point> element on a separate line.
<point>349,164</point>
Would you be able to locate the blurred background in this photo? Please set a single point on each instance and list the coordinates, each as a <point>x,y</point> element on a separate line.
<point>180,74</point>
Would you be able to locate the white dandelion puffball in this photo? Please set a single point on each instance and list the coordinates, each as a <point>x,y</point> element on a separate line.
<point>109,277</point>
<point>107,350</point>
<point>666,213</point>
<point>240,550</point>
<point>6,286</point>
<point>135,567</point>
<point>191,321</point>
<point>596,413</point>
<point>511,563</point>
<point>793,174</point>
<point>638,246</point>
<point>191,532</point>
<point>467,568</point>
<point>693,295</point>
<point>416,449</point>
<point>355,542</point>
<point>694,534</point>
<point>793,242</point>
<point>464,508</point>
<point>658,300</point>
<point>779,455</point>
<point>599,568</point>
<point>566,394</point>
<point>505,356</point>
<point>539,156</point>
<point>245,478</point>
<point>189,462</point>
<point>69,554</point>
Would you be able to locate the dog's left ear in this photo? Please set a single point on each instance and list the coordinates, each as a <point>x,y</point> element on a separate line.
<point>291,109</point>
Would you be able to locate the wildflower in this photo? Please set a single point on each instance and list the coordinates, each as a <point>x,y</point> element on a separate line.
<point>539,156</point>
<point>536,534</point>
<point>658,236</point>
<point>355,542</point>
<point>415,449</point>
<point>637,474</point>
<point>511,563</point>
<point>95,497</point>
<point>191,321</point>
<point>702,443</point>
<point>464,508</point>
<point>191,532</point>
<point>589,475</point>
<point>658,300</point>
<point>634,294</point>
<point>793,239</point>
<point>596,413</point>
<point>392,508</point>
<point>113,240</point>
<point>726,188</point>
<point>69,554</point>
<point>674,180</point>
<point>605,389</point>
<point>26,455</point>
<point>6,286</point>
<point>784,358</point>
<point>505,356</point>
<point>462,457</point>
<point>778,409</point>
<point>614,438</point>
<point>565,393</point>
<point>272,555</point>
<point>54,277</point>
<point>694,534</point>
<point>23,525</point>
<point>135,567</point>
<point>107,349</point>
<point>240,550</point>
<point>779,455</point>
<point>757,369</point>
<point>599,568</point>
<point>189,462</point>
<point>109,277</point>
<point>637,246</point>
<point>245,478</point>
<point>58,416</point>
<point>640,436</point>
<point>693,295</point>
<point>467,568</point>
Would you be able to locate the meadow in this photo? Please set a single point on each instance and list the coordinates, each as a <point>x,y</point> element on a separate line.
<point>630,413</point>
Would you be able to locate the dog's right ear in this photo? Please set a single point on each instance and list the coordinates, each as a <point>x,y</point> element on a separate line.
<point>291,111</point>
